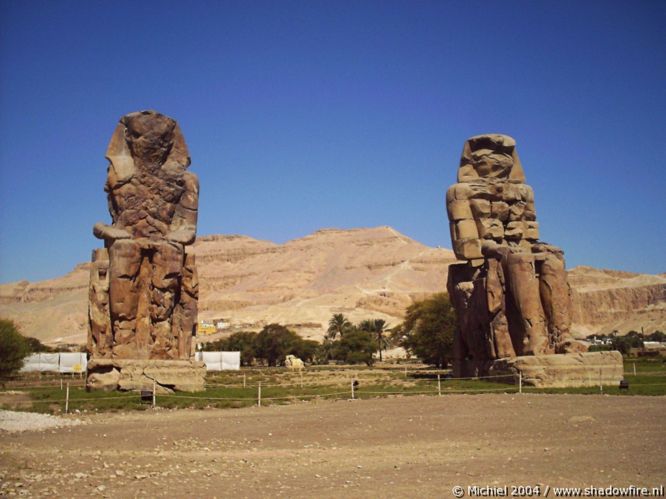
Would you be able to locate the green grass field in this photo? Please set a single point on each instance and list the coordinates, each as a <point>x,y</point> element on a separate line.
<point>233,389</point>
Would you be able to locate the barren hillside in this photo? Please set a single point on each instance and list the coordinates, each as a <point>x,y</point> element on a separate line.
<point>362,273</point>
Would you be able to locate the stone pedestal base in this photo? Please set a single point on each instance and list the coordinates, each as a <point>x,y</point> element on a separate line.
<point>168,375</point>
<point>563,370</point>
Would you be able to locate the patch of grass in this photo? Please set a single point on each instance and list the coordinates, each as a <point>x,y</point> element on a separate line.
<point>280,386</point>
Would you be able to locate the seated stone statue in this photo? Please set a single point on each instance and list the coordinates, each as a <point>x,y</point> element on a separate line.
<point>143,286</point>
<point>511,295</point>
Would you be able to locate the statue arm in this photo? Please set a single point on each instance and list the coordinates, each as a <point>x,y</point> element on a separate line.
<point>110,232</point>
<point>491,249</point>
<point>183,227</point>
<point>103,231</point>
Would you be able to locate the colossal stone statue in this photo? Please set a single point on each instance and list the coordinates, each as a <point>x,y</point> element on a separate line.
<point>143,283</point>
<point>511,295</point>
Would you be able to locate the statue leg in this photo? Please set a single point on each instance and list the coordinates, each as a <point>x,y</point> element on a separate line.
<point>499,325</point>
<point>167,273</point>
<point>124,293</point>
<point>100,339</point>
<point>556,300</point>
<point>460,289</point>
<point>524,288</point>
<point>185,313</point>
<point>473,346</point>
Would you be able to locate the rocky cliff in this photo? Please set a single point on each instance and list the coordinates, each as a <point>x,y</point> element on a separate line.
<point>362,273</point>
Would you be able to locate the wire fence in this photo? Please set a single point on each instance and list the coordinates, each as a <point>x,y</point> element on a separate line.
<point>262,387</point>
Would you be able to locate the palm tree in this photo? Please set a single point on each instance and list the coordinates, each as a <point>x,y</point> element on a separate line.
<point>338,325</point>
<point>376,327</point>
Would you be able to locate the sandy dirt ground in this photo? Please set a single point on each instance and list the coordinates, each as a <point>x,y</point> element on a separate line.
<point>397,447</point>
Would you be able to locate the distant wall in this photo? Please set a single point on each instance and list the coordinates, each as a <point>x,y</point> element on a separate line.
<point>220,361</point>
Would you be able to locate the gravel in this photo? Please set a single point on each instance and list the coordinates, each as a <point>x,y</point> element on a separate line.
<point>30,421</point>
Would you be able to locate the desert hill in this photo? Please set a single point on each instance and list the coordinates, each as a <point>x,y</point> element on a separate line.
<point>362,273</point>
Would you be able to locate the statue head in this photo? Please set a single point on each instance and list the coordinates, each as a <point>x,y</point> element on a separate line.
<point>150,138</point>
<point>490,156</point>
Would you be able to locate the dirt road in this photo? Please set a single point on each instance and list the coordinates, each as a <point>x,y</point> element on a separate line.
<point>399,447</point>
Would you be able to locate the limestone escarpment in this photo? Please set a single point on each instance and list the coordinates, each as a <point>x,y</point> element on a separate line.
<point>362,273</point>
<point>608,300</point>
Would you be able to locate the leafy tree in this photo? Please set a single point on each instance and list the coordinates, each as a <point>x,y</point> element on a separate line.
<point>13,348</point>
<point>338,325</point>
<point>274,342</point>
<point>377,328</point>
<point>625,343</point>
<point>243,342</point>
<point>355,347</point>
<point>428,329</point>
<point>324,352</point>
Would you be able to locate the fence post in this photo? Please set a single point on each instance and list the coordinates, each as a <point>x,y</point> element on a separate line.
<point>244,381</point>
<point>67,399</point>
<point>601,386</point>
<point>405,371</point>
<point>634,369</point>
<point>61,382</point>
<point>439,386</point>
<point>153,394</point>
<point>520,382</point>
<point>259,395</point>
<point>352,388</point>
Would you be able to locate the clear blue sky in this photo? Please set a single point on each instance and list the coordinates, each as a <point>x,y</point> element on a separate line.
<point>310,114</point>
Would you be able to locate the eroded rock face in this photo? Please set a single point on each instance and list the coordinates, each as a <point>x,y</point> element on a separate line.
<point>143,284</point>
<point>511,295</point>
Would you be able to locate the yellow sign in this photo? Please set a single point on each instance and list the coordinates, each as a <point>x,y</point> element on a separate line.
<point>203,328</point>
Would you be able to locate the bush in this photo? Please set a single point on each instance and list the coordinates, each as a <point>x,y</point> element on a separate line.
<point>355,347</point>
<point>625,343</point>
<point>13,348</point>
<point>656,336</point>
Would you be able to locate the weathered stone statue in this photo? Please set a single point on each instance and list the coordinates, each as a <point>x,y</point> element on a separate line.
<point>143,284</point>
<point>511,295</point>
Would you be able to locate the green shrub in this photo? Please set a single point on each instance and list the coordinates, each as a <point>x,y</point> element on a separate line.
<point>355,347</point>
<point>13,348</point>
